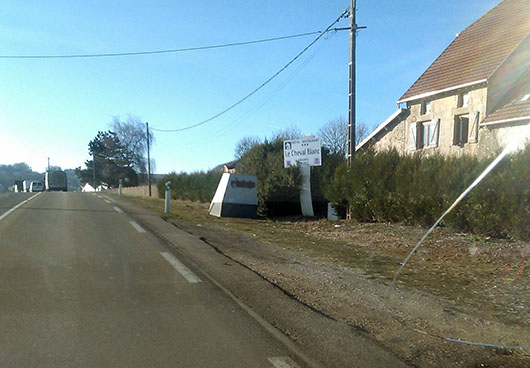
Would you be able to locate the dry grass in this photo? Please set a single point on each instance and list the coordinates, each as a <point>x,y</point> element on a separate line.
<point>490,275</point>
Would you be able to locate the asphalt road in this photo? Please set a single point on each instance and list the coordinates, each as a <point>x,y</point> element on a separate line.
<point>82,284</point>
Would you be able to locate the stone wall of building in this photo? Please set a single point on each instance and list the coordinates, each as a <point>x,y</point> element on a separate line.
<point>395,137</point>
<point>445,108</point>
<point>494,138</point>
<point>482,142</point>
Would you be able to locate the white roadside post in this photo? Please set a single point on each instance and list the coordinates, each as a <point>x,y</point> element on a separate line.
<point>304,153</point>
<point>168,196</point>
<point>119,188</point>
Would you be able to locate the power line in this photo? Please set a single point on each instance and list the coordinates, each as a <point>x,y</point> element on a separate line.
<point>244,116</point>
<point>167,51</point>
<point>329,28</point>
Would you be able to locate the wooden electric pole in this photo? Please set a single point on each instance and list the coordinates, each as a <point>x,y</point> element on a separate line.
<point>148,160</point>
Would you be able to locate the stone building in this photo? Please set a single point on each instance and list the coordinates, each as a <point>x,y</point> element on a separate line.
<point>474,98</point>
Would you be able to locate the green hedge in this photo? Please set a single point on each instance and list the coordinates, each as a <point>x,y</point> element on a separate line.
<point>417,189</point>
<point>197,186</point>
<point>278,188</point>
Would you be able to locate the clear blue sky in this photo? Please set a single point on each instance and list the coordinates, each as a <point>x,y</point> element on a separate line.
<point>53,108</point>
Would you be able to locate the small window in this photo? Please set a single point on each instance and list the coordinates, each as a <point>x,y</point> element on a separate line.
<point>426,132</point>
<point>426,107</point>
<point>461,130</point>
<point>463,99</point>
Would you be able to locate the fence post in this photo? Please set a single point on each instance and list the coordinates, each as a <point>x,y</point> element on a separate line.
<point>168,196</point>
<point>119,188</point>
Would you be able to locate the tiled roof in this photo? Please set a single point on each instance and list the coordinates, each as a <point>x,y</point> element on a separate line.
<point>513,110</point>
<point>478,50</point>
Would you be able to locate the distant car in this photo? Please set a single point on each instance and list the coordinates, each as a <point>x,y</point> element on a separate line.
<point>36,186</point>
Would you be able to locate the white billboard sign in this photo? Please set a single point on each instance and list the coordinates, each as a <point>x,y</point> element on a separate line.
<point>236,196</point>
<point>304,152</point>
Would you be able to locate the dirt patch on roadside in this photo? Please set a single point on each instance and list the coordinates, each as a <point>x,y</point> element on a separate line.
<point>456,286</point>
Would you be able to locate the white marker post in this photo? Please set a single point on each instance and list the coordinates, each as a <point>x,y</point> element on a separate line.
<point>168,196</point>
<point>305,152</point>
<point>119,188</point>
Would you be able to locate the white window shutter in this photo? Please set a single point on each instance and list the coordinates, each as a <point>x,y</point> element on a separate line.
<point>473,132</point>
<point>433,139</point>
<point>412,136</point>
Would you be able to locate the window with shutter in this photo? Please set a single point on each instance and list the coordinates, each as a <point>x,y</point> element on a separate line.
<point>473,130</point>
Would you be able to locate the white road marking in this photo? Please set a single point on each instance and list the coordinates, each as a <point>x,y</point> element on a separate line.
<point>5,214</point>
<point>118,209</point>
<point>137,226</point>
<point>283,362</point>
<point>110,199</point>
<point>99,196</point>
<point>107,201</point>
<point>183,270</point>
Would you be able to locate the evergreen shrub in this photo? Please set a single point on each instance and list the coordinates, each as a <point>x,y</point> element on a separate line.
<point>278,188</point>
<point>196,186</point>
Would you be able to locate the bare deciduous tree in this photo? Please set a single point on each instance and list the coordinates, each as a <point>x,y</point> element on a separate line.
<point>334,135</point>
<point>245,145</point>
<point>132,135</point>
<point>288,133</point>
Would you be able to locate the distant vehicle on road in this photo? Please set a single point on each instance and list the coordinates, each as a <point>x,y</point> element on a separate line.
<point>36,186</point>
<point>18,187</point>
<point>55,181</point>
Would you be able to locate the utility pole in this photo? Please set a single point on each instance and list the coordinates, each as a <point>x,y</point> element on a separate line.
<point>94,168</point>
<point>48,164</point>
<point>351,95</point>
<point>351,110</point>
<point>148,160</point>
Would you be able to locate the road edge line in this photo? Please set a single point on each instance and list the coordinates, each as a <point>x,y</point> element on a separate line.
<point>11,210</point>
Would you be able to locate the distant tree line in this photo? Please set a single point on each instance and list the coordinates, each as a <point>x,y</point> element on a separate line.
<point>18,171</point>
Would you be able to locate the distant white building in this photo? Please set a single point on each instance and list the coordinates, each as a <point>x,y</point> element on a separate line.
<point>102,187</point>
<point>88,188</point>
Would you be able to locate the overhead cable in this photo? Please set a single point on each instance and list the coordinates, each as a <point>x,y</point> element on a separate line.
<point>152,52</point>
<point>329,28</point>
<point>243,117</point>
